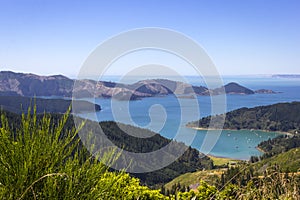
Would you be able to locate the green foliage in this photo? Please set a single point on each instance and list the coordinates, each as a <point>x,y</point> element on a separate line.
<point>33,151</point>
<point>206,191</point>
<point>229,192</point>
<point>247,181</point>
<point>278,117</point>
<point>42,160</point>
<point>190,161</point>
<point>185,195</point>
<point>192,179</point>
<point>279,145</point>
<point>272,185</point>
<point>288,161</point>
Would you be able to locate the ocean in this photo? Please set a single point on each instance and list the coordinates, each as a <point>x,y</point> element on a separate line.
<point>168,115</point>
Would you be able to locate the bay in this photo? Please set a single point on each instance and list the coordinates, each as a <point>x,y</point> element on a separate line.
<point>168,115</point>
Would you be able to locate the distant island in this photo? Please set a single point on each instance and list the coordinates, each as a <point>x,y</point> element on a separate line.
<point>20,84</point>
<point>282,117</point>
<point>286,76</point>
<point>19,104</point>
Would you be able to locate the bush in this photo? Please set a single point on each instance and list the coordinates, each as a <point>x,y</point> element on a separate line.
<point>43,160</point>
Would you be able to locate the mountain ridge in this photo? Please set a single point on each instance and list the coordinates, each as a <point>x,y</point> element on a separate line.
<point>20,84</point>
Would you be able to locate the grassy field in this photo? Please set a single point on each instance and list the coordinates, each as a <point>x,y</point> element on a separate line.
<point>194,178</point>
<point>191,179</point>
<point>221,161</point>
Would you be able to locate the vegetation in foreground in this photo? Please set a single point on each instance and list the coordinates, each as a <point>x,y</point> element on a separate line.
<point>41,159</point>
<point>275,176</point>
<point>190,161</point>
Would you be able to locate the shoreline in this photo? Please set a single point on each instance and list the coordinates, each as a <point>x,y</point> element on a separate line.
<point>259,149</point>
<point>225,158</point>
<point>267,131</point>
<point>234,159</point>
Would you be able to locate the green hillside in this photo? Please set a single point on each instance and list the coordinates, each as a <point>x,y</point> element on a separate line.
<point>278,145</point>
<point>287,161</point>
<point>190,161</point>
<point>275,177</point>
<point>19,104</point>
<point>192,179</point>
<point>41,158</point>
<point>283,117</point>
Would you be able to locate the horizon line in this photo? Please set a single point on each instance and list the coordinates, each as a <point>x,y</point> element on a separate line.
<point>159,75</point>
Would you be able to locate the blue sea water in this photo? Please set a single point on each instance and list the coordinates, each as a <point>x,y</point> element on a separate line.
<point>169,115</point>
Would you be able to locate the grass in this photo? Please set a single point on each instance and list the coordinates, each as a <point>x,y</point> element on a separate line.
<point>288,161</point>
<point>218,161</point>
<point>193,178</point>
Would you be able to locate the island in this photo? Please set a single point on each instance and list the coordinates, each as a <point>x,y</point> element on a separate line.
<point>288,76</point>
<point>19,104</point>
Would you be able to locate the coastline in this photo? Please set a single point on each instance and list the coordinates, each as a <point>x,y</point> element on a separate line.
<point>220,161</point>
<point>213,157</point>
<point>207,129</point>
<point>259,149</point>
<point>224,157</point>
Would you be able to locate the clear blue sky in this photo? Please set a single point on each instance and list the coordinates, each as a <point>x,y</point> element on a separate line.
<point>241,36</point>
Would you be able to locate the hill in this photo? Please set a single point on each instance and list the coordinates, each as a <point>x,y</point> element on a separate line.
<point>35,85</point>
<point>282,117</point>
<point>233,88</point>
<point>20,84</point>
<point>192,179</point>
<point>281,171</point>
<point>288,161</point>
<point>19,104</point>
<point>190,161</point>
<point>279,144</point>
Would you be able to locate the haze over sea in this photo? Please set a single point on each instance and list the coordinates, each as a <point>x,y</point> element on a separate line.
<point>166,113</point>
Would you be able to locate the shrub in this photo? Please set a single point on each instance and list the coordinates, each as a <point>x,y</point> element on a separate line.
<point>42,160</point>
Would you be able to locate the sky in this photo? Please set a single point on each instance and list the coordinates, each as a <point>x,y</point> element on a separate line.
<point>240,36</point>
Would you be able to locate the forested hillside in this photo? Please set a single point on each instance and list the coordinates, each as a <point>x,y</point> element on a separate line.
<point>41,157</point>
<point>190,161</point>
<point>283,117</point>
<point>19,104</point>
